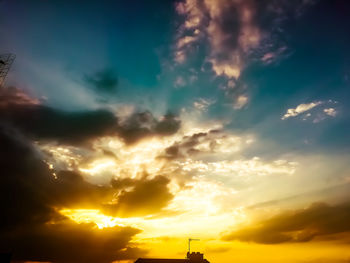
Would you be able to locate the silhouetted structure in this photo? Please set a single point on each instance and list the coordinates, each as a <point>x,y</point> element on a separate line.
<point>189,244</point>
<point>194,257</point>
<point>5,257</point>
<point>6,61</point>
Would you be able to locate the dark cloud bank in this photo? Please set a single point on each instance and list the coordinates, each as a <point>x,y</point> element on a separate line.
<point>30,226</point>
<point>317,222</point>
<point>147,196</point>
<point>42,122</point>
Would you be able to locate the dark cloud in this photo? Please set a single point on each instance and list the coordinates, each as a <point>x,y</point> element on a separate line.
<point>143,124</point>
<point>189,144</point>
<point>68,242</point>
<point>319,221</point>
<point>31,227</point>
<point>104,81</point>
<point>41,122</point>
<point>138,197</point>
<point>71,190</point>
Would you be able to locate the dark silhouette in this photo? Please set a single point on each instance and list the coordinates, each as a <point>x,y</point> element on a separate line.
<point>6,61</point>
<point>194,257</point>
<point>5,257</point>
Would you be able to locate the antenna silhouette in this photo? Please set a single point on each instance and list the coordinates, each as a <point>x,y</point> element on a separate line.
<point>189,244</point>
<point>6,61</point>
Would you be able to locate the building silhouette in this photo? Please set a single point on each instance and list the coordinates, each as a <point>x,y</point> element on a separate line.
<point>194,257</point>
<point>5,257</point>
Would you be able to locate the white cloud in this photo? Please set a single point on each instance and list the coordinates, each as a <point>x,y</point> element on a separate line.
<point>330,112</point>
<point>185,41</point>
<point>293,112</point>
<point>203,104</point>
<point>234,33</point>
<point>245,167</point>
<point>210,17</point>
<point>240,102</point>
<point>313,111</point>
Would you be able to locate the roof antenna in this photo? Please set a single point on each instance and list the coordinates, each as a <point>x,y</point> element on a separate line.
<point>189,245</point>
<point>6,61</point>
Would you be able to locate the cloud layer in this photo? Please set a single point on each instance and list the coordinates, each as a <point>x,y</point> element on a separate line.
<point>233,34</point>
<point>32,228</point>
<point>319,221</point>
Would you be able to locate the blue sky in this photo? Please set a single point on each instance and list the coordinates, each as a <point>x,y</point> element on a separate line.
<point>136,42</point>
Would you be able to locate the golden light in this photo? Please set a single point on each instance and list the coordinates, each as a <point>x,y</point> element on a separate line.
<point>97,166</point>
<point>91,216</point>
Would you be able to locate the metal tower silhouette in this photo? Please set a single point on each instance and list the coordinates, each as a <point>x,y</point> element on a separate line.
<point>189,244</point>
<point>6,61</point>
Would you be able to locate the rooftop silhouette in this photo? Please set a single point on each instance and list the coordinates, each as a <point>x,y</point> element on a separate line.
<point>194,257</point>
<point>5,257</point>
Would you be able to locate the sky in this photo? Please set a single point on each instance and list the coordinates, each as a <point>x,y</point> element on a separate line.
<point>127,127</point>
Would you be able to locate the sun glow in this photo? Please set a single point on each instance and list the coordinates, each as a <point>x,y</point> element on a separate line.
<point>91,216</point>
<point>97,166</point>
<point>130,161</point>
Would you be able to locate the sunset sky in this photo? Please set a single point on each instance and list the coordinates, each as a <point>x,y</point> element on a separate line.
<point>127,127</point>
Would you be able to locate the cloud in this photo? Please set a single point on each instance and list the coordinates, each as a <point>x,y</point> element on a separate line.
<point>240,102</point>
<point>319,221</point>
<point>68,242</point>
<point>104,81</point>
<point>273,56</point>
<point>213,142</point>
<point>144,124</point>
<point>230,36</point>
<point>31,226</point>
<point>226,36</point>
<point>242,167</point>
<point>293,112</point>
<point>313,111</point>
<point>41,122</point>
<point>139,197</point>
<point>45,123</point>
<point>14,96</point>
<point>330,112</point>
<point>234,30</point>
<point>71,190</point>
<point>202,104</point>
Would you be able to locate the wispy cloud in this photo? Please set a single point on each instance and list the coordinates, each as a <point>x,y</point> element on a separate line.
<point>203,104</point>
<point>273,56</point>
<point>235,34</point>
<point>240,102</point>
